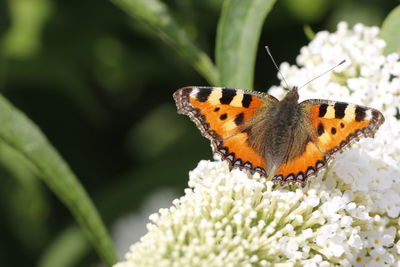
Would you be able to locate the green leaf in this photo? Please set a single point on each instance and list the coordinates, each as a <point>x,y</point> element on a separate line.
<point>155,15</point>
<point>238,34</point>
<point>18,132</point>
<point>391,31</point>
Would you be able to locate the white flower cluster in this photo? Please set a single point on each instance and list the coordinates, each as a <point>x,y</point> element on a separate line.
<point>231,219</point>
<point>371,169</point>
<point>347,216</point>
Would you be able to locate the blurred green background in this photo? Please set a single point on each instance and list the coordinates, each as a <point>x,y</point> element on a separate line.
<point>99,84</point>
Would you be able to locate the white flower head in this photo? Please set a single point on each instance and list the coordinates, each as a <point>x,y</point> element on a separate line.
<point>224,219</point>
<point>348,215</point>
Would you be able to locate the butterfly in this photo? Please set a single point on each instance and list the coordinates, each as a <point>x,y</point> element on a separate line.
<point>284,140</point>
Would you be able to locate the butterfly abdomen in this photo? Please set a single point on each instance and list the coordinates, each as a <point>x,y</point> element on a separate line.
<point>290,133</point>
<point>278,132</point>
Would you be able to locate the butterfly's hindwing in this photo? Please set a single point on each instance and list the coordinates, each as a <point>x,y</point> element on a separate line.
<point>297,170</point>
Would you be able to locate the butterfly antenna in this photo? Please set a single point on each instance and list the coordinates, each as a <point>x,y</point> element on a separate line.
<point>276,66</point>
<point>325,72</point>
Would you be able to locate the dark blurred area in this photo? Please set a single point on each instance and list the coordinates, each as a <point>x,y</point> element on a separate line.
<point>100,85</point>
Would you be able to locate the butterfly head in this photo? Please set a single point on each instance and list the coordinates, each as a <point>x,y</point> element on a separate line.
<point>292,95</point>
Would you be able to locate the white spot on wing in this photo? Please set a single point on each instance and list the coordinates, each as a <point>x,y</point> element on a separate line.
<point>368,114</point>
<point>194,92</point>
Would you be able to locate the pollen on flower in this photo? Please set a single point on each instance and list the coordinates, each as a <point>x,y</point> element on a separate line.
<point>348,216</point>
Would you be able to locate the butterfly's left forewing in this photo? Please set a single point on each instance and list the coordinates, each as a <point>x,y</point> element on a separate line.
<point>221,114</point>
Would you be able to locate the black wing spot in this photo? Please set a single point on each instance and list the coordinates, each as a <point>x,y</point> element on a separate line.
<point>333,130</point>
<point>322,110</point>
<point>227,96</point>
<point>216,109</point>
<point>246,100</point>
<point>203,94</point>
<point>341,125</point>
<point>239,118</point>
<point>320,130</point>
<point>223,116</point>
<point>340,110</point>
<point>360,113</point>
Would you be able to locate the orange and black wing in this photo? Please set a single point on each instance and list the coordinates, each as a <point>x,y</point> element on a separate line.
<point>334,126</point>
<point>220,114</point>
<point>338,124</point>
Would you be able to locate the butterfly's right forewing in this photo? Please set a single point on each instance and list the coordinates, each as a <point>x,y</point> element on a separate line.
<point>338,124</point>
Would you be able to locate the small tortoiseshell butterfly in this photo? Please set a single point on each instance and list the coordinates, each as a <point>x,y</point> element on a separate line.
<point>283,140</point>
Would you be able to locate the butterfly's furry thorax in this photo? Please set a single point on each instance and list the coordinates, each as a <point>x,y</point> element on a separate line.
<point>284,140</point>
<point>280,131</point>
